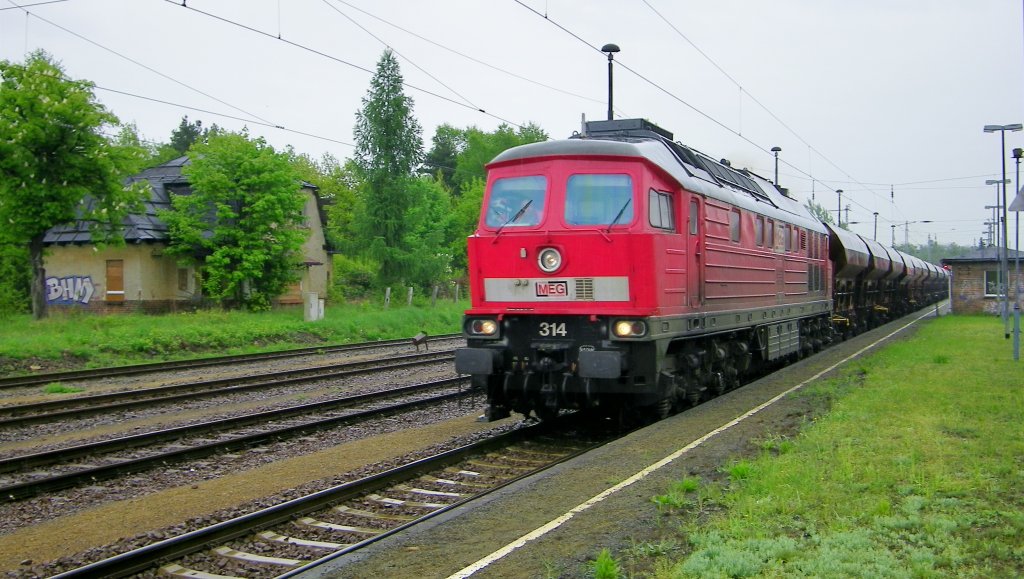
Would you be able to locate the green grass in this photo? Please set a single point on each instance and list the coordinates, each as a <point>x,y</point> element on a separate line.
<point>58,388</point>
<point>93,340</point>
<point>916,471</point>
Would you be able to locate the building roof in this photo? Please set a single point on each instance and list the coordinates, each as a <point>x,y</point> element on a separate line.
<point>982,254</point>
<point>164,180</point>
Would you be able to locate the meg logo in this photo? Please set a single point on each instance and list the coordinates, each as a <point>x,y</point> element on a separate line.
<point>552,289</point>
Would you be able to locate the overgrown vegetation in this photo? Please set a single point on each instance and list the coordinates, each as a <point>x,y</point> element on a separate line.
<point>916,471</point>
<point>399,215</point>
<point>94,341</point>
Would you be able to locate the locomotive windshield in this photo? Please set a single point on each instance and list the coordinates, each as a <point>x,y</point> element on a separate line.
<point>517,196</point>
<point>599,200</point>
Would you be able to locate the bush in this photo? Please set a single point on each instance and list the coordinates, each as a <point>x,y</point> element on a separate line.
<point>353,277</point>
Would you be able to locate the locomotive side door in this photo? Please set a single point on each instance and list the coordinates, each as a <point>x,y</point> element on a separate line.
<point>694,236</point>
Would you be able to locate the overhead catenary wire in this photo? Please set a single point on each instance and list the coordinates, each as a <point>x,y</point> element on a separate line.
<point>404,57</point>
<point>467,56</point>
<point>682,101</point>
<point>334,58</point>
<point>136,62</point>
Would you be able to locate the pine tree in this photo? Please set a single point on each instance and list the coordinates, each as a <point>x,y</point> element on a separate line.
<point>389,147</point>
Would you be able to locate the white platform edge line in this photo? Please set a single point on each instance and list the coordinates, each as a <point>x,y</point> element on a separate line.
<point>555,523</point>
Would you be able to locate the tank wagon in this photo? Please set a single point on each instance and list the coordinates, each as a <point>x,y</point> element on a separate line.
<point>623,272</point>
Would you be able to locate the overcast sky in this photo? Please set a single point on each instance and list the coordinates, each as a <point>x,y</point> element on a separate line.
<point>866,96</point>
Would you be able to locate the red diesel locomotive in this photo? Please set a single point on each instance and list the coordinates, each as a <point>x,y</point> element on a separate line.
<point>621,271</point>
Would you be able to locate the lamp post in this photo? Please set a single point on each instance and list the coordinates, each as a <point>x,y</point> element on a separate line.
<point>776,151</point>
<point>875,237</point>
<point>610,50</point>
<point>839,209</point>
<point>1000,243</point>
<point>1002,157</point>
<point>906,230</point>
<point>1017,206</point>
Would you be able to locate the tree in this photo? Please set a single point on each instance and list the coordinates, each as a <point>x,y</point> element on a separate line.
<point>186,134</point>
<point>388,148</point>
<point>821,213</point>
<point>448,142</point>
<point>15,279</point>
<point>56,165</point>
<point>482,147</point>
<point>243,221</point>
<point>462,221</point>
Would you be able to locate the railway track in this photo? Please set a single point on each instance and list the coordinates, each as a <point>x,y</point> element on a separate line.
<point>135,369</point>
<point>20,476</point>
<point>283,539</point>
<point>20,415</point>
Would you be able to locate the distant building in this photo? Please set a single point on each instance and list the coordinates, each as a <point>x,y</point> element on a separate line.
<point>138,276</point>
<point>976,284</point>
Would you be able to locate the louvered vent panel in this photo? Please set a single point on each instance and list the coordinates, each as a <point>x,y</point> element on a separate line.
<point>585,289</point>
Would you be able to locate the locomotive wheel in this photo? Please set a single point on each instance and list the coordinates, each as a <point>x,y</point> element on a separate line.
<point>662,409</point>
<point>544,413</point>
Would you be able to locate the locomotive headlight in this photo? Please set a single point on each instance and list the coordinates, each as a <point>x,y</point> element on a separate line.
<point>482,328</point>
<point>549,260</point>
<point>629,329</point>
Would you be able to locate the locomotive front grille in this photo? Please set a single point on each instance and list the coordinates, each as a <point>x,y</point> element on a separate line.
<point>585,289</point>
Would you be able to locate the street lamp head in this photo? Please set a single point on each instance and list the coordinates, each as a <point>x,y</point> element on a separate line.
<point>776,150</point>
<point>1010,127</point>
<point>1018,153</point>
<point>610,48</point>
<point>839,190</point>
<point>997,181</point>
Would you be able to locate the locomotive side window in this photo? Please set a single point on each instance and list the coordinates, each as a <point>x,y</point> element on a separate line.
<point>659,210</point>
<point>599,200</point>
<point>734,225</point>
<point>789,238</point>
<point>517,201</point>
<point>770,231</point>
<point>694,214</point>
<point>759,230</point>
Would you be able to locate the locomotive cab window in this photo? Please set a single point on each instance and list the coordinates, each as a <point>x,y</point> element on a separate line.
<point>659,210</point>
<point>516,201</point>
<point>734,225</point>
<point>694,213</point>
<point>599,200</point>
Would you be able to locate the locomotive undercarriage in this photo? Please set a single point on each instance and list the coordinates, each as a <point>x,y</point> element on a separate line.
<point>654,378</point>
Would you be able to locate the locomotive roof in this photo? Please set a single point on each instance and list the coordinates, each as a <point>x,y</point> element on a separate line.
<point>693,170</point>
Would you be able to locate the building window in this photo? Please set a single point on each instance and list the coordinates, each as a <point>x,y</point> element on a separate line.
<point>993,285</point>
<point>182,279</point>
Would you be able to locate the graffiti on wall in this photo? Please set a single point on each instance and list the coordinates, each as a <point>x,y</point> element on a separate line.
<point>74,289</point>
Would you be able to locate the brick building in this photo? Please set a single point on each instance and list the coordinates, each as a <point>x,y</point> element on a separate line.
<point>138,276</point>
<point>976,283</point>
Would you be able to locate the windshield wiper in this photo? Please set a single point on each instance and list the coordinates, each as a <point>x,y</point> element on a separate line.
<point>520,213</point>
<point>618,216</point>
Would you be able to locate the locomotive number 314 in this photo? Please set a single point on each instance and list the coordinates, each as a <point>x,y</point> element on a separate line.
<point>550,329</point>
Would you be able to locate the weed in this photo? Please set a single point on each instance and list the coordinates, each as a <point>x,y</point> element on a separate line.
<point>652,550</point>
<point>941,359</point>
<point>740,470</point>
<point>676,497</point>
<point>58,388</point>
<point>605,566</point>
